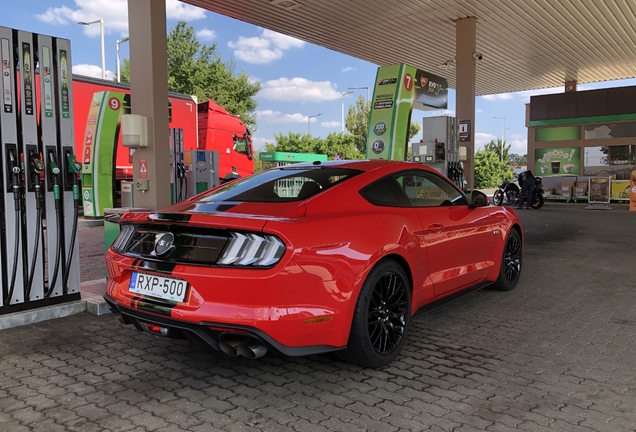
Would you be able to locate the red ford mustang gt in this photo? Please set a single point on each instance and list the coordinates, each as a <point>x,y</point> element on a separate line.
<point>303,259</point>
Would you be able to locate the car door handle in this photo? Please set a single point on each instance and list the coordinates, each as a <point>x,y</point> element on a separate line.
<point>435,228</point>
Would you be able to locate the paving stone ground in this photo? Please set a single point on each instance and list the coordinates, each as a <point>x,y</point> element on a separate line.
<point>556,354</point>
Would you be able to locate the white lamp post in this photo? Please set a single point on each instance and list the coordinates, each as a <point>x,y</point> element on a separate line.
<point>101,32</point>
<point>342,95</point>
<point>361,88</point>
<point>126,39</point>
<point>309,123</point>
<point>503,134</point>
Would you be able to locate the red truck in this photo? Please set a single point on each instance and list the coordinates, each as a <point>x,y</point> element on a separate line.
<point>206,126</point>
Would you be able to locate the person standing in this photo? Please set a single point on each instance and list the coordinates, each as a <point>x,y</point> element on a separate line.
<point>527,183</point>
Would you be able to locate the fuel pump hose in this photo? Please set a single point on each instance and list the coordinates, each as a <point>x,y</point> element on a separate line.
<point>36,168</point>
<point>74,168</point>
<point>15,170</point>
<point>54,170</point>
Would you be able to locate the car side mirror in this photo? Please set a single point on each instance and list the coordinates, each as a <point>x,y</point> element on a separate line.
<point>479,199</point>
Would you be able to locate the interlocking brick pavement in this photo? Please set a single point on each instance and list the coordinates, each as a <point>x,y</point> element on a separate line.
<point>556,354</point>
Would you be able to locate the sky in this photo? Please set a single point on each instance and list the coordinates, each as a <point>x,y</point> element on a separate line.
<point>299,80</point>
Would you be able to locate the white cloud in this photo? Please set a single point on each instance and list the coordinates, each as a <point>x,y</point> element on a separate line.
<point>518,146</point>
<point>331,124</point>
<point>177,10</point>
<point>206,34</point>
<point>113,12</point>
<point>91,71</point>
<point>500,96</point>
<point>299,90</point>
<point>482,139</point>
<point>479,110</point>
<point>259,143</point>
<point>270,116</point>
<point>282,41</point>
<point>263,49</point>
<point>348,69</point>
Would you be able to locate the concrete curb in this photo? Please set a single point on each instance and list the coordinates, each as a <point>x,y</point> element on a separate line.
<point>92,301</point>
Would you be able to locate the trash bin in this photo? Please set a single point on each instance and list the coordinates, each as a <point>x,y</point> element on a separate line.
<point>126,194</point>
<point>111,223</point>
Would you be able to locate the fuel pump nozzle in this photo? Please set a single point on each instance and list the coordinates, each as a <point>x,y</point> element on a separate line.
<point>54,171</point>
<point>15,173</point>
<point>74,167</point>
<point>37,166</point>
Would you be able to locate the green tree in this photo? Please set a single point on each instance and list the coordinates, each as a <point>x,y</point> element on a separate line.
<point>518,160</point>
<point>490,170</point>
<point>198,69</point>
<point>357,123</point>
<point>302,143</point>
<point>501,149</point>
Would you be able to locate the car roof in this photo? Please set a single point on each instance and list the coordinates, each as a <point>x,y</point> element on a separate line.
<point>362,165</point>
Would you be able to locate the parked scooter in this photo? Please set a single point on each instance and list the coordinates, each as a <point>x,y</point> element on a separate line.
<point>508,192</point>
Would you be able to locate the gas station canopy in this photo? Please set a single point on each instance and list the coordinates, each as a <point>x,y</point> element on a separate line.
<point>525,44</point>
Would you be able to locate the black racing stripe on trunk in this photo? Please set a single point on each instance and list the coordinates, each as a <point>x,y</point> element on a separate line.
<point>162,308</point>
<point>157,266</point>
<point>170,217</point>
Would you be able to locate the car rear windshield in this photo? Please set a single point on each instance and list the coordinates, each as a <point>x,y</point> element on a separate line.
<point>293,183</point>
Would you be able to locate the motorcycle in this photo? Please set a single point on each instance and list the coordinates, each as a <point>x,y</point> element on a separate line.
<point>509,192</point>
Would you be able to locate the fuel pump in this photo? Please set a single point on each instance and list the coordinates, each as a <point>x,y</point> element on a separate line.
<point>35,166</point>
<point>53,174</point>
<point>439,147</point>
<point>178,168</point>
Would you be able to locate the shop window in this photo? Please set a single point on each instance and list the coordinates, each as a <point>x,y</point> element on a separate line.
<point>616,161</point>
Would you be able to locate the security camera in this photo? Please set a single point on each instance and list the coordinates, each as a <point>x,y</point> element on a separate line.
<point>477,56</point>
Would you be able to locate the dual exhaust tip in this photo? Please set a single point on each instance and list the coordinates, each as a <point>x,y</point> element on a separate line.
<point>250,350</point>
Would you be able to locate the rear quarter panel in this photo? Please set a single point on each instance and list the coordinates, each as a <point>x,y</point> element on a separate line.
<point>343,240</point>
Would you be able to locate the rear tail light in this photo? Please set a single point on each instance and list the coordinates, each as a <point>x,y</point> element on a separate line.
<point>252,250</point>
<point>153,328</point>
<point>125,234</point>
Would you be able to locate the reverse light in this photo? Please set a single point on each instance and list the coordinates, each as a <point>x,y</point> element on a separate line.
<point>252,250</point>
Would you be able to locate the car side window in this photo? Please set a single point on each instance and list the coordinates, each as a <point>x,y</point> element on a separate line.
<point>386,192</point>
<point>426,189</point>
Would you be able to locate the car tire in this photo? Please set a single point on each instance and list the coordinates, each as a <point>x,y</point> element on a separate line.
<point>381,317</point>
<point>497,197</point>
<point>511,260</point>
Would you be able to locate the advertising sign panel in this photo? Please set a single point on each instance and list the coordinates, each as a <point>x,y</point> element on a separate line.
<point>600,189</point>
<point>398,89</point>
<point>559,161</point>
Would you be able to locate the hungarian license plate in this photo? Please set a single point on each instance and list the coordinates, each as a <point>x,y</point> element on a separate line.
<point>158,286</point>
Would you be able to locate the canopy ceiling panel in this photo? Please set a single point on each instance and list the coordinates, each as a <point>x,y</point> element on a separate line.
<point>526,44</point>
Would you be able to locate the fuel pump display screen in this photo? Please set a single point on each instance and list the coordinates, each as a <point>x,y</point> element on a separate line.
<point>200,156</point>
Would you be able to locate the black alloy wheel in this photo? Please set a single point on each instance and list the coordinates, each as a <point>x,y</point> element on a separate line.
<point>387,313</point>
<point>510,270</point>
<point>381,317</point>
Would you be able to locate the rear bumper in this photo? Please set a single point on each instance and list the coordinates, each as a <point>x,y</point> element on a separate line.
<point>211,333</point>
